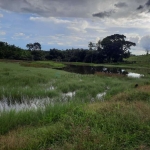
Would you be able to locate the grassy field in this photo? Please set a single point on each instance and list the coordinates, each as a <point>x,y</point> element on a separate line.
<point>119,120</point>
<point>36,64</point>
<point>43,64</point>
<point>142,61</point>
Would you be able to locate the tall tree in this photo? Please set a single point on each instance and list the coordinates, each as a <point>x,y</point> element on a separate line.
<point>115,47</point>
<point>29,46</point>
<point>91,45</point>
<point>36,46</point>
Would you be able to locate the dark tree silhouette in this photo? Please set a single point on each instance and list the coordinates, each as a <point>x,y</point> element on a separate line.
<point>115,47</point>
<point>29,46</point>
<point>36,46</point>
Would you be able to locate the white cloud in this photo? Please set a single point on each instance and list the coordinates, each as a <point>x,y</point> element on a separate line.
<point>19,34</point>
<point>134,39</point>
<point>79,25</point>
<point>49,19</point>
<point>2,33</point>
<point>60,43</point>
<point>1,15</point>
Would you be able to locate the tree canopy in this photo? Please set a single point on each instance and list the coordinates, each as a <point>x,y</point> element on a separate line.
<point>34,46</point>
<point>115,47</point>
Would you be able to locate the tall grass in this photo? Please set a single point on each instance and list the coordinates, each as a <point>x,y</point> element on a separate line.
<point>106,125</point>
<point>121,121</point>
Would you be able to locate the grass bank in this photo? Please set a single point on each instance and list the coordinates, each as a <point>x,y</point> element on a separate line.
<point>138,62</point>
<point>43,64</point>
<point>118,121</point>
<point>36,64</point>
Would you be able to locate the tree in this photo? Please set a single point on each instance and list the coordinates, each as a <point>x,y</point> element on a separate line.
<point>98,44</point>
<point>91,45</point>
<point>147,51</point>
<point>115,47</point>
<point>34,46</point>
<point>37,55</point>
<point>29,46</point>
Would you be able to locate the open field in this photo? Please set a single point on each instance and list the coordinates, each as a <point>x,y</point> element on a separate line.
<point>86,112</point>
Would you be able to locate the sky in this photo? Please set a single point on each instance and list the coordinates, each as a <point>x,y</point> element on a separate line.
<point>67,24</point>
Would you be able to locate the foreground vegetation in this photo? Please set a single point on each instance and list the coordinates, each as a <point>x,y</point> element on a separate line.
<point>120,120</point>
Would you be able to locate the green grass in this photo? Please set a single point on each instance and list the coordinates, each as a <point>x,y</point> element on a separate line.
<point>106,125</point>
<point>43,64</point>
<point>140,58</point>
<point>121,121</point>
<point>17,82</point>
<point>36,64</point>
<point>140,62</point>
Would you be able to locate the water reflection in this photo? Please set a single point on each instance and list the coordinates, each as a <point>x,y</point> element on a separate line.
<point>93,70</point>
<point>32,104</point>
<point>135,75</point>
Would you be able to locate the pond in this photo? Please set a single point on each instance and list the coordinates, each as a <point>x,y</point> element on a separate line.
<point>102,69</point>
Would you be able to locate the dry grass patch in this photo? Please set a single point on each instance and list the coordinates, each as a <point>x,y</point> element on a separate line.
<point>142,109</point>
<point>30,137</point>
<point>143,147</point>
<point>14,140</point>
<point>119,97</point>
<point>145,88</point>
<point>109,74</point>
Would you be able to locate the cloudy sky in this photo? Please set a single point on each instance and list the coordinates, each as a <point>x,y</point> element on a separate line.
<point>73,23</point>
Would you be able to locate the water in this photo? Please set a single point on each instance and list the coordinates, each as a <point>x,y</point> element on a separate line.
<point>32,104</point>
<point>7,105</point>
<point>101,95</point>
<point>99,69</point>
<point>134,75</point>
<point>67,96</point>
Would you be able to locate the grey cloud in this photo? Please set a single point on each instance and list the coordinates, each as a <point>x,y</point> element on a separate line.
<point>148,3</point>
<point>104,14</point>
<point>145,42</point>
<point>55,8</point>
<point>144,7</point>
<point>121,4</point>
<point>140,7</point>
<point>75,8</point>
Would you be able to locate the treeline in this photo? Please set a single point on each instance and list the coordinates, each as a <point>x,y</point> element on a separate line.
<point>111,49</point>
<point>12,52</point>
<point>8,51</point>
<point>77,55</point>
